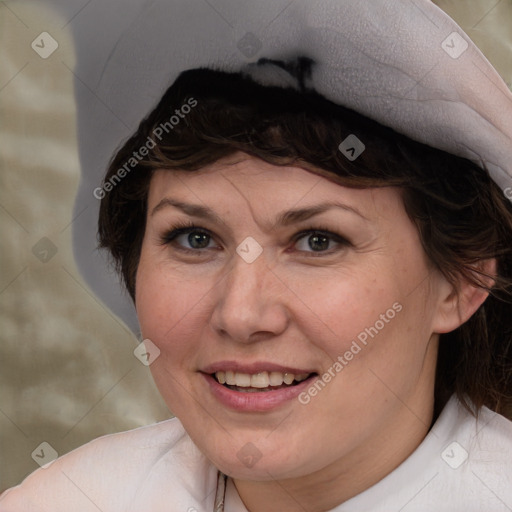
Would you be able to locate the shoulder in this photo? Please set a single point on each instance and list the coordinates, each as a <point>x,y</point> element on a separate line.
<point>464,463</point>
<point>476,455</point>
<point>112,472</point>
<point>488,433</point>
<point>488,442</point>
<point>472,468</point>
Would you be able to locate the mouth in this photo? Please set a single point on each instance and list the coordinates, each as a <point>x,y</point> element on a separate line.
<point>264,381</point>
<point>257,387</point>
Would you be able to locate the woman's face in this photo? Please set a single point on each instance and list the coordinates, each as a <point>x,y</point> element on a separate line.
<point>286,272</point>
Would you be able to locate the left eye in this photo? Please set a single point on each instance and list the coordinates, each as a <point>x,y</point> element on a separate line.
<point>318,241</point>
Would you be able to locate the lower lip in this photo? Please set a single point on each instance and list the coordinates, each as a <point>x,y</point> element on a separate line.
<point>255,401</point>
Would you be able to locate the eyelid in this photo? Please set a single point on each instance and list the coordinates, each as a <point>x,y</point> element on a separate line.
<point>180,228</point>
<point>337,238</point>
<point>323,231</point>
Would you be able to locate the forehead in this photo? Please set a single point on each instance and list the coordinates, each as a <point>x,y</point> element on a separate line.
<point>242,180</point>
<point>244,176</point>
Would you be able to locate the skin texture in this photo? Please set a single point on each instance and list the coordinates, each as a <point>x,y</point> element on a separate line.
<point>297,307</point>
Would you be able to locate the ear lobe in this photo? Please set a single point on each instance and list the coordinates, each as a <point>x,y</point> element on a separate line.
<point>460,302</point>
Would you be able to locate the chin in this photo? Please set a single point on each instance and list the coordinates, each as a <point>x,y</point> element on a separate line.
<point>261,471</point>
<point>265,464</point>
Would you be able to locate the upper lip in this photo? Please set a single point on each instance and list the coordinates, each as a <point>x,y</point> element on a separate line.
<point>252,368</point>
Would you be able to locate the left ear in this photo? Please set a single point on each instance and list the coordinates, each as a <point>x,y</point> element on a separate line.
<point>460,302</point>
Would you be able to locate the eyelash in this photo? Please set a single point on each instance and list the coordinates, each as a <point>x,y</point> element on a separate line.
<point>181,228</point>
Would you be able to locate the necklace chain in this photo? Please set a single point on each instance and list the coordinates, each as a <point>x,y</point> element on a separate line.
<point>220,496</point>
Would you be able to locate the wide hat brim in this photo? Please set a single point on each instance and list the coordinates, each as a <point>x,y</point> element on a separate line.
<point>404,63</point>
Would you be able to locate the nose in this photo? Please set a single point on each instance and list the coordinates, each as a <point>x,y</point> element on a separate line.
<point>250,302</point>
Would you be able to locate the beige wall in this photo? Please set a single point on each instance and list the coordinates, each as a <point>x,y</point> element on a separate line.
<point>67,369</point>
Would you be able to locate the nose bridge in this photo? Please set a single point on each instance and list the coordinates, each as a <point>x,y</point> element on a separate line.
<point>247,284</point>
<point>247,301</point>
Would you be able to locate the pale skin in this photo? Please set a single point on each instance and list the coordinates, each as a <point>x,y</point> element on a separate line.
<point>299,306</point>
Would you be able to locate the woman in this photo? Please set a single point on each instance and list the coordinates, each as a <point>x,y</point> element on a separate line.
<point>326,306</point>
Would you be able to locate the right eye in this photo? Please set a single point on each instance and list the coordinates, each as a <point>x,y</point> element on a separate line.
<point>189,238</point>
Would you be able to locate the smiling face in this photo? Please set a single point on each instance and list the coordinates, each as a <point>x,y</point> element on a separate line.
<point>341,297</point>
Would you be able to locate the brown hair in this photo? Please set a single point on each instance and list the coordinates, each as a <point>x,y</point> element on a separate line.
<point>461,214</point>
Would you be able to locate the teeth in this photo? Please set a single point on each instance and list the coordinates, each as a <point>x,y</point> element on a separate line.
<point>276,378</point>
<point>258,380</point>
<point>288,378</point>
<point>242,380</point>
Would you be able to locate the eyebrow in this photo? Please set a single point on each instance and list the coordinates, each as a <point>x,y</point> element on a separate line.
<point>284,218</point>
<point>194,210</point>
<point>301,214</point>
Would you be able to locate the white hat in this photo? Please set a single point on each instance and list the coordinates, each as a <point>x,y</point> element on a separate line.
<point>404,63</point>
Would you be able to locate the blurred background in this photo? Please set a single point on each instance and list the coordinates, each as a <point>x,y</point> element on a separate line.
<point>67,369</point>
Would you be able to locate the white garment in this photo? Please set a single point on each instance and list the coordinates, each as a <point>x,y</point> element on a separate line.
<point>159,469</point>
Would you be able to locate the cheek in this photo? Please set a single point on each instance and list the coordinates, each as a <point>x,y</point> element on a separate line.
<point>168,305</point>
<point>334,306</point>
<point>169,310</point>
<point>375,318</point>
